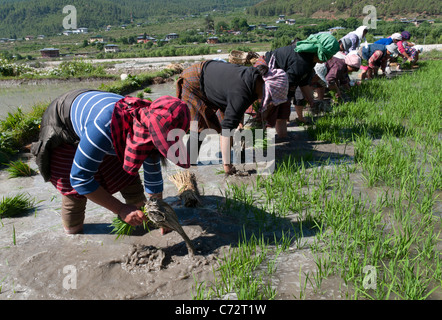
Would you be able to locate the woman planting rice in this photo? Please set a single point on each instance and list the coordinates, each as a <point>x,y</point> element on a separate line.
<point>218,94</point>
<point>333,74</point>
<point>394,38</point>
<point>377,56</point>
<point>298,61</point>
<point>408,49</point>
<point>92,144</point>
<point>352,40</point>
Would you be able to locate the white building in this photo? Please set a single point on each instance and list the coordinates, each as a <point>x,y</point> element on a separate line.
<point>111,48</point>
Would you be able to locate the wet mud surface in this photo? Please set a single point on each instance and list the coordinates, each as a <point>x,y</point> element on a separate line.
<point>45,263</point>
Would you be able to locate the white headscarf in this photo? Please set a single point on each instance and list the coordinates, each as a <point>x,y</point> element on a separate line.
<point>396,36</point>
<point>360,32</point>
<point>392,48</point>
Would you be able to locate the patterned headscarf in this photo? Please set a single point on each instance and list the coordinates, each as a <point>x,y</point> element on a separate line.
<point>353,60</point>
<point>406,35</point>
<point>276,86</point>
<point>140,127</point>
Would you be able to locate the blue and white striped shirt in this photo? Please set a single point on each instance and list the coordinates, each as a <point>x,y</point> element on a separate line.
<point>91,115</point>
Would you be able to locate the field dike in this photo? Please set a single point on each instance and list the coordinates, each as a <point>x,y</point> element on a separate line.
<point>352,211</point>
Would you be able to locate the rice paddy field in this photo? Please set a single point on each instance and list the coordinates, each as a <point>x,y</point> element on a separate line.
<point>376,216</point>
<point>352,211</point>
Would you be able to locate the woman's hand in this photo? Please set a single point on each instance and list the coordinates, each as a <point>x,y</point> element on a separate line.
<point>229,169</point>
<point>132,215</point>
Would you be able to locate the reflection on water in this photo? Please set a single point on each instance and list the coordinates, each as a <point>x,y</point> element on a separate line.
<point>158,90</point>
<point>29,94</point>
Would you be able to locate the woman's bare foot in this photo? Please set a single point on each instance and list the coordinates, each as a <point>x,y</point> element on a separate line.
<point>74,230</point>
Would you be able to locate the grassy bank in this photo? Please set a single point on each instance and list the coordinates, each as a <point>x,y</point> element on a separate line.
<point>375,219</point>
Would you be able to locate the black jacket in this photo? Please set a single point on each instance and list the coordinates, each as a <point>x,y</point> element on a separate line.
<point>298,65</point>
<point>230,87</point>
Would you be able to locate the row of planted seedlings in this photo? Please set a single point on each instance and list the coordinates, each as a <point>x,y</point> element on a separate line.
<point>374,221</point>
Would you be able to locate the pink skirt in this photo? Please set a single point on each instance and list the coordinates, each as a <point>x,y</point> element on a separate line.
<point>110,175</point>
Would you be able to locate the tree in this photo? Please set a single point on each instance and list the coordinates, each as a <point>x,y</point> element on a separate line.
<point>221,27</point>
<point>209,23</point>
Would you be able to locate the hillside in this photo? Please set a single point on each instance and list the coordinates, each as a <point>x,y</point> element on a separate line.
<point>33,17</point>
<point>346,8</point>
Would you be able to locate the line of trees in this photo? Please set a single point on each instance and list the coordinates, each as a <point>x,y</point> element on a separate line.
<point>23,17</point>
<point>269,8</point>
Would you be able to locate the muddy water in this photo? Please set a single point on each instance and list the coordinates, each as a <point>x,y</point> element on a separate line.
<point>14,94</point>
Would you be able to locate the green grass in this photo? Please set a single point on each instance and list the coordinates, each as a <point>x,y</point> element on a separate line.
<point>244,270</point>
<point>11,206</point>
<point>19,169</point>
<point>133,83</point>
<point>122,228</point>
<point>19,129</point>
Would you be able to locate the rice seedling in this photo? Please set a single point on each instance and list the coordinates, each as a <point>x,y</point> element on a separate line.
<point>11,206</point>
<point>19,169</point>
<point>14,240</point>
<point>240,270</point>
<point>122,228</point>
<point>398,152</point>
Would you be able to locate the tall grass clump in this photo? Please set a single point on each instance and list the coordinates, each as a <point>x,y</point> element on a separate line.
<point>135,82</point>
<point>19,169</point>
<point>19,129</point>
<point>78,68</point>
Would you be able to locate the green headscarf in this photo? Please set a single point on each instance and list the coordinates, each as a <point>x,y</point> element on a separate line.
<point>323,44</point>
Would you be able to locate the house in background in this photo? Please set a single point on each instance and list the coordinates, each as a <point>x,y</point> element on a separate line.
<point>334,29</point>
<point>50,53</point>
<point>171,36</point>
<point>290,21</point>
<point>82,30</point>
<point>145,39</point>
<point>212,40</point>
<point>96,38</point>
<point>271,28</point>
<point>111,48</point>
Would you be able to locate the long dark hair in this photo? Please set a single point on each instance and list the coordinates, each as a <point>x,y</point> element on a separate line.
<point>263,69</point>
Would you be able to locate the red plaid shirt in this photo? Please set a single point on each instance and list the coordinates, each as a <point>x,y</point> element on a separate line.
<point>140,127</point>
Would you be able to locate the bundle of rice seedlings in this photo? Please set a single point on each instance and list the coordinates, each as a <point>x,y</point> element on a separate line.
<point>188,192</point>
<point>15,205</point>
<point>19,169</point>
